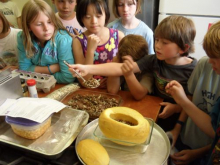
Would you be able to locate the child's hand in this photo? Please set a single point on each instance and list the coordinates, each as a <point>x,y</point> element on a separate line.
<point>81,69</point>
<point>76,33</point>
<point>169,109</point>
<point>184,157</point>
<point>93,41</point>
<point>127,67</point>
<point>176,90</point>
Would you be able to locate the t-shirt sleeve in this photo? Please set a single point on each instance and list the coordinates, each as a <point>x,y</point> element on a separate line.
<point>146,63</point>
<point>193,80</point>
<point>17,12</point>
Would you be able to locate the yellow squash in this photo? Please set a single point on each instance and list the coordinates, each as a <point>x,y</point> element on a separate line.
<point>124,124</point>
<point>92,152</point>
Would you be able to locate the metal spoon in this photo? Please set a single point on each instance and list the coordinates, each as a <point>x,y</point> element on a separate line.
<point>84,81</point>
<point>75,72</point>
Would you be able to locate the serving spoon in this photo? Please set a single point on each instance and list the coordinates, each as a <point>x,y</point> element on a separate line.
<point>87,83</point>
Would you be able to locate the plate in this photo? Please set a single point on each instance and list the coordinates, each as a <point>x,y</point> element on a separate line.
<point>136,148</point>
<point>157,152</point>
<point>92,106</point>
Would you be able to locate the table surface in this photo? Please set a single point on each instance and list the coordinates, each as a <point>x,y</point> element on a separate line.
<point>149,106</point>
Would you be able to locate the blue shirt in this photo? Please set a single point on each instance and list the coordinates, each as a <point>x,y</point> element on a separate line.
<point>142,29</point>
<point>52,53</point>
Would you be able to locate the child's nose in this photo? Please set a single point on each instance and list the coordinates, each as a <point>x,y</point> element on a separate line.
<point>66,4</point>
<point>45,27</point>
<point>125,7</point>
<point>94,19</point>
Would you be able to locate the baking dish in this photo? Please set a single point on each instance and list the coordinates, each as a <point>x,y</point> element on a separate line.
<point>91,106</point>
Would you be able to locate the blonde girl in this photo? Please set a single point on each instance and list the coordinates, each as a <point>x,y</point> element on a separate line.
<point>44,43</point>
<point>98,44</point>
<point>125,11</point>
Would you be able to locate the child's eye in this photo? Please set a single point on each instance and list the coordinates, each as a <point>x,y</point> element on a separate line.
<point>98,16</point>
<point>120,5</point>
<point>71,1</point>
<point>87,16</point>
<point>130,4</point>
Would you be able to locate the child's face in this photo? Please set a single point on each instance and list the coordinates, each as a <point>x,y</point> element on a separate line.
<point>215,64</point>
<point>94,21</point>
<point>65,8</point>
<point>127,9</point>
<point>42,27</point>
<point>166,49</point>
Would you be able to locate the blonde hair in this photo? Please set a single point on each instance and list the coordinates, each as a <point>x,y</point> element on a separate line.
<point>29,13</point>
<point>211,42</point>
<point>6,25</point>
<point>115,7</point>
<point>177,29</point>
<point>134,45</point>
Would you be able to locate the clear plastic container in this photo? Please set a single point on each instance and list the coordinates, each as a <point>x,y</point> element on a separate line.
<point>136,148</point>
<point>27,128</point>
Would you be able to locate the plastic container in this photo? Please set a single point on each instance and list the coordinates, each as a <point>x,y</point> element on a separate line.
<point>31,83</point>
<point>136,148</point>
<point>27,128</point>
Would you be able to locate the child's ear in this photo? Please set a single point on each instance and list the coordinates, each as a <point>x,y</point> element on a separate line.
<point>186,49</point>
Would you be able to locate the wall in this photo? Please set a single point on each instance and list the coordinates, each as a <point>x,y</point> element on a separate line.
<point>20,3</point>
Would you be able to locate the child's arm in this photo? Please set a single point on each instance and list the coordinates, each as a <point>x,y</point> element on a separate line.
<point>19,22</point>
<point>92,43</point>
<point>136,89</point>
<point>79,57</point>
<point>107,69</point>
<point>113,82</point>
<point>64,53</point>
<point>200,118</point>
<point>177,128</point>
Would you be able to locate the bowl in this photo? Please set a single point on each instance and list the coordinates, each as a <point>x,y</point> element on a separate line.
<point>93,102</point>
<point>136,148</point>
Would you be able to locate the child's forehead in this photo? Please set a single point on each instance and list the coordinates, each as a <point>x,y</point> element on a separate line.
<point>92,8</point>
<point>65,0</point>
<point>40,16</point>
<point>126,1</point>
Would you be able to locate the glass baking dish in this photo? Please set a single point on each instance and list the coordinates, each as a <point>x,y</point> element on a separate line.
<point>136,148</point>
<point>83,99</point>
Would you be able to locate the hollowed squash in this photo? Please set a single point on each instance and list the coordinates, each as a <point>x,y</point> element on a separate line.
<point>124,124</point>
